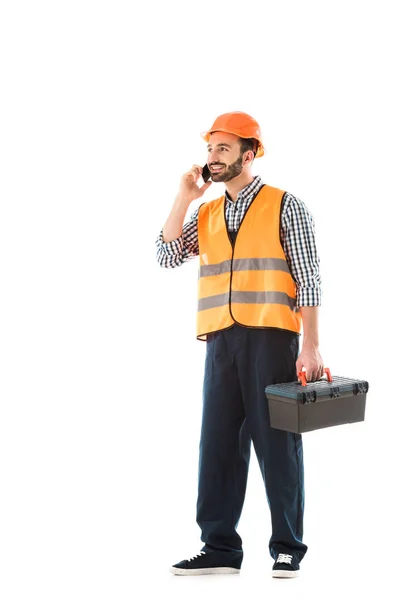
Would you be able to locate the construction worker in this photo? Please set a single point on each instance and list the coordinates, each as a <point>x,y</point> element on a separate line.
<point>259,289</point>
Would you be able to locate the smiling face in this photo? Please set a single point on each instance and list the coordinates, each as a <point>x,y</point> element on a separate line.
<point>225,157</point>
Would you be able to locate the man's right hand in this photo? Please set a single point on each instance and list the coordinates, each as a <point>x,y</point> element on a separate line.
<point>188,189</point>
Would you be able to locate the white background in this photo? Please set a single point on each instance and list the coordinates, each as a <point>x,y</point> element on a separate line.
<point>102,104</point>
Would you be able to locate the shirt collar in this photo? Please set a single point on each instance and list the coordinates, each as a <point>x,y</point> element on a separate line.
<point>247,192</point>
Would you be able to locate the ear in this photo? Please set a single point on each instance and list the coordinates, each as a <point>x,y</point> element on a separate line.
<point>249,157</point>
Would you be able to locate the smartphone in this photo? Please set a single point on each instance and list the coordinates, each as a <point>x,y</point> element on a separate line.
<point>206,173</point>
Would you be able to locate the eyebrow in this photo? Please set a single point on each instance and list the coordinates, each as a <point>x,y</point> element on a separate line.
<point>219,145</point>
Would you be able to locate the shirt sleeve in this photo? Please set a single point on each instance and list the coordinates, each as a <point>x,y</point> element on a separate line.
<point>299,245</point>
<point>175,253</point>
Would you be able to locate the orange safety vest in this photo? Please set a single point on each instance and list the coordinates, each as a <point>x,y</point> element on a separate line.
<point>248,282</point>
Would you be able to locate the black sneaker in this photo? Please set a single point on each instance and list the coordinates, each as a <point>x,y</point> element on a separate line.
<point>285,566</point>
<point>209,563</point>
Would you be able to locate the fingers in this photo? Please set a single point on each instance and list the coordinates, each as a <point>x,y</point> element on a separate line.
<point>315,373</point>
<point>311,376</point>
<point>196,172</point>
<point>311,361</point>
<point>189,183</point>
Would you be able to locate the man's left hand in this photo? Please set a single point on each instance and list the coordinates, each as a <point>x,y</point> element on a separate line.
<point>311,360</point>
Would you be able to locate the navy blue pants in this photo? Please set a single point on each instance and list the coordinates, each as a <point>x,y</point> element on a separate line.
<point>240,363</point>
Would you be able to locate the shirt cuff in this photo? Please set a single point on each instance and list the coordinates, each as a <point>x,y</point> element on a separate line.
<point>309,297</point>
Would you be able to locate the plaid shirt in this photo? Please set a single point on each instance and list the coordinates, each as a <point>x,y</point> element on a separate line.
<point>297,234</point>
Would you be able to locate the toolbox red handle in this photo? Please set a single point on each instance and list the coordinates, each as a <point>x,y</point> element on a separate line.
<point>303,378</point>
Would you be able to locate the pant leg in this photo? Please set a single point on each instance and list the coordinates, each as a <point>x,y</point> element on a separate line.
<point>224,449</point>
<point>267,357</point>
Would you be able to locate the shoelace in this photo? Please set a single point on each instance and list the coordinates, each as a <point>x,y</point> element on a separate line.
<point>197,556</point>
<point>284,558</point>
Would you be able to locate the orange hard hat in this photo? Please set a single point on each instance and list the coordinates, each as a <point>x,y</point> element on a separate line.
<point>240,124</point>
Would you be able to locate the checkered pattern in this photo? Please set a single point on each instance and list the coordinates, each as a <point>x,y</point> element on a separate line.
<point>297,234</point>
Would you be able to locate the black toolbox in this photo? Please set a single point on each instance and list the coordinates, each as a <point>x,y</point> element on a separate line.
<point>299,406</point>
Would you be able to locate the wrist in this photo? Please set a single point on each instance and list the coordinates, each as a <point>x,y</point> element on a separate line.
<point>182,201</point>
<point>311,343</point>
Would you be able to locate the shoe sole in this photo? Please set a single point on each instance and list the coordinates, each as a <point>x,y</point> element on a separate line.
<point>211,571</point>
<point>285,574</point>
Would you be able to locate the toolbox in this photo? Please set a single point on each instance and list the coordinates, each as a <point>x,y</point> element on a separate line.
<point>300,406</point>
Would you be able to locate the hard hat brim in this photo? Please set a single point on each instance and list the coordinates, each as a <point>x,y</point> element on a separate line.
<point>206,137</point>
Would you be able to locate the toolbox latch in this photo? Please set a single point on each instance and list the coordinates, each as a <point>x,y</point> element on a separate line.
<point>335,391</point>
<point>310,396</point>
<point>361,387</point>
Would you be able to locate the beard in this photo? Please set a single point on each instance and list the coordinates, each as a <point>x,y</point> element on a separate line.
<point>234,170</point>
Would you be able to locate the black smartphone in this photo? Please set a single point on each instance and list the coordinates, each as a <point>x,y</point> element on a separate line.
<point>206,173</point>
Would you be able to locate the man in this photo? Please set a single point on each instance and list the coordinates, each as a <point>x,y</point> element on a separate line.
<point>259,284</point>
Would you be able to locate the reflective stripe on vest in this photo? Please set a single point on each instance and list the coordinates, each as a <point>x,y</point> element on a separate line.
<point>250,282</point>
